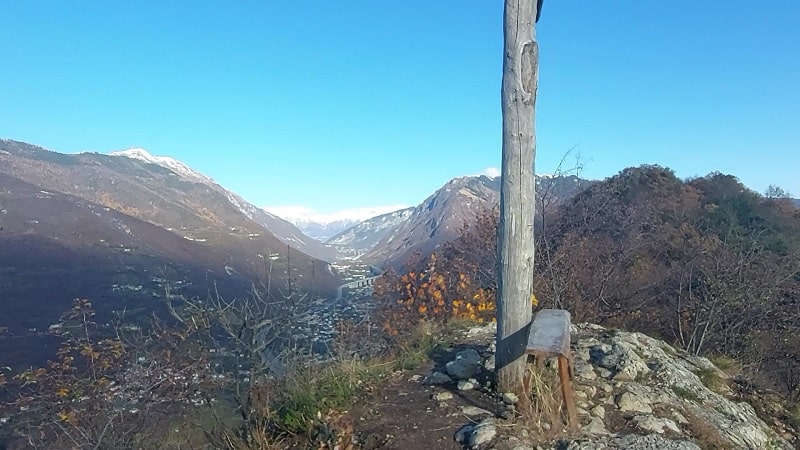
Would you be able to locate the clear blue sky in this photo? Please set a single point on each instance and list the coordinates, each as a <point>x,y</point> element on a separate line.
<point>344,104</point>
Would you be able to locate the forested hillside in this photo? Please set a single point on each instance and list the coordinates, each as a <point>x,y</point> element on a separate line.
<point>705,264</point>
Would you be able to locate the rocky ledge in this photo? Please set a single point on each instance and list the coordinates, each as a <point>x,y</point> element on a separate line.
<point>632,392</point>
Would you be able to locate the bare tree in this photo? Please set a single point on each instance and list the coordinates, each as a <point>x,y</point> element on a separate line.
<point>516,244</point>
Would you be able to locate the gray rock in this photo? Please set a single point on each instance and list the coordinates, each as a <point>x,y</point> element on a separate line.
<point>490,363</point>
<point>585,371</point>
<point>472,411</point>
<point>599,412</point>
<point>483,433</point>
<point>465,365</point>
<point>510,398</point>
<point>443,396</point>
<point>629,442</point>
<point>438,379</point>
<point>653,442</point>
<point>656,424</point>
<point>679,417</point>
<point>648,374</point>
<point>629,402</point>
<point>467,385</point>
<point>476,436</point>
<point>596,426</point>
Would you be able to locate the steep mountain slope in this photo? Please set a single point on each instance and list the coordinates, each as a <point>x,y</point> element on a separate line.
<point>166,193</point>
<point>437,219</point>
<point>357,240</point>
<point>442,215</point>
<point>280,228</point>
<point>56,247</point>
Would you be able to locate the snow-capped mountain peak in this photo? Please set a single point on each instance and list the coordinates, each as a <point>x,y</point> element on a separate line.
<point>170,163</point>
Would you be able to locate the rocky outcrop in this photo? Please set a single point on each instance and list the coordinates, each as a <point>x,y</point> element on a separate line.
<point>633,392</point>
<point>648,388</point>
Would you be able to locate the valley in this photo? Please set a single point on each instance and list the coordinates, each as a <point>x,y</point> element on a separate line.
<point>153,245</point>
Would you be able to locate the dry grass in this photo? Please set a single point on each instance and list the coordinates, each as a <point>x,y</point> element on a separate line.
<point>541,411</point>
<point>705,435</point>
<point>261,438</point>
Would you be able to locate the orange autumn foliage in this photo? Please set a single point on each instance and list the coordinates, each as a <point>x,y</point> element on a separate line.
<point>431,294</point>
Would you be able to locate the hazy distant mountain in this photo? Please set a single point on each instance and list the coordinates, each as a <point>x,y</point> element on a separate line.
<point>167,193</point>
<point>441,216</point>
<point>357,240</point>
<point>323,226</point>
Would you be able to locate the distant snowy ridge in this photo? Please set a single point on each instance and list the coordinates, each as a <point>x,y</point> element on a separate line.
<point>368,233</point>
<point>164,161</point>
<point>303,214</point>
<point>323,226</point>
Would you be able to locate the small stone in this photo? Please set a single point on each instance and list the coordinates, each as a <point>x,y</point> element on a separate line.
<point>655,424</point>
<point>465,386</point>
<point>443,396</point>
<point>599,412</point>
<point>510,398</point>
<point>472,411</point>
<point>438,379</point>
<point>585,372</point>
<point>415,378</point>
<point>596,426</point>
<point>679,417</point>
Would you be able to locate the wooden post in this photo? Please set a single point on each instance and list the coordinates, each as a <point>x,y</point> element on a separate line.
<point>515,234</point>
<point>564,369</point>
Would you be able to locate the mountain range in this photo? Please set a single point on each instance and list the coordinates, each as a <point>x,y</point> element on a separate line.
<point>121,229</point>
<point>389,240</point>
<point>323,226</point>
<point>124,228</point>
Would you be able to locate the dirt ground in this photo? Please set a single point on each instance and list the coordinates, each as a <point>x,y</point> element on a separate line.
<point>403,414</point>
